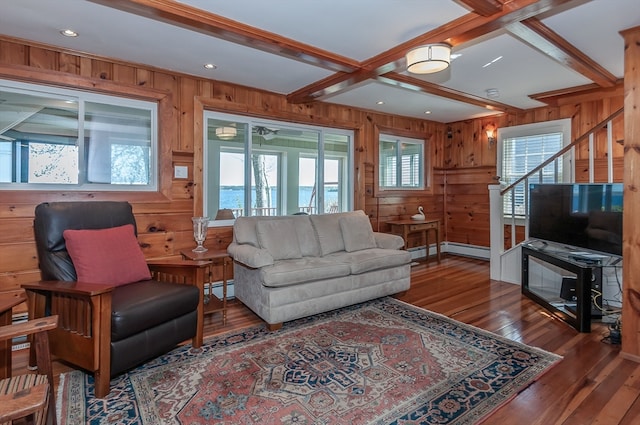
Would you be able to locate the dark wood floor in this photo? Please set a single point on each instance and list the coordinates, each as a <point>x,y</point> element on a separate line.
<point>592,384</point>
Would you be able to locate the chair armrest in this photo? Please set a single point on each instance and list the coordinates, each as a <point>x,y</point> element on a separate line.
<point>388,240</point>
<point>28,327</point>
<point>70,288</point>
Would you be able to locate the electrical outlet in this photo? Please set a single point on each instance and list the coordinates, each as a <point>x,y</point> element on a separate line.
<point>181,172</point>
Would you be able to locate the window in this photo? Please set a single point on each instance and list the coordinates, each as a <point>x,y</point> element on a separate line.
<point>71,140</point>
<point>256,167</point>
<point>401,163</point>
<point>525,147</point>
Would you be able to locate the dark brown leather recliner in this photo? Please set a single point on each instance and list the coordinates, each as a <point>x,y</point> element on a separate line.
<point>105,329</point>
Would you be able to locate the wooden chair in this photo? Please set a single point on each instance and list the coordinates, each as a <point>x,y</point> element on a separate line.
<point>109,329</point>
<point>30,396</point>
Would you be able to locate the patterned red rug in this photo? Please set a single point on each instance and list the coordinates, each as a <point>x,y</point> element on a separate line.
<point>381,362</point>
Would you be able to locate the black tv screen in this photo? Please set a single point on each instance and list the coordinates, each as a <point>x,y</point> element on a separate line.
<point>579,215</point>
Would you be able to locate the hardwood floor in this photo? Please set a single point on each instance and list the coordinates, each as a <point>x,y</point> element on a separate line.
<point>592,384</point>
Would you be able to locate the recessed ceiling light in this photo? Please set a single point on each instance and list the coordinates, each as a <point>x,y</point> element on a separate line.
<point>492,62</point>
<point>68,33</point>
<point>380,102</point>
<point>210,66</point>
<point>427,112</point>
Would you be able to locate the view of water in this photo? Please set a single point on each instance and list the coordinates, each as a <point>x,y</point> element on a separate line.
<point>232,196</point>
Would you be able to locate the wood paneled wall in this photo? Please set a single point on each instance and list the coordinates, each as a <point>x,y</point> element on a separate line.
<point>471,165</point>
<point>164,218</point>
<point>464,164</point>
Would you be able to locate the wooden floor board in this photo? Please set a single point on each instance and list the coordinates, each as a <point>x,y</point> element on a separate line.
<point>591,385</point>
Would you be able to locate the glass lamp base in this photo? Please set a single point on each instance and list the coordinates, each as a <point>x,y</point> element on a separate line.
<point>199,249</point>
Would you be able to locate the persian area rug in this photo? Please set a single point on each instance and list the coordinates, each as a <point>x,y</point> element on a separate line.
<point>380,362</point>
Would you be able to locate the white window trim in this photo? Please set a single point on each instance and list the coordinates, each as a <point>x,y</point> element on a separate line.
<point>400,139</point>
<point>252,121</point>
<point>84,96</point>
<point>557,126</point>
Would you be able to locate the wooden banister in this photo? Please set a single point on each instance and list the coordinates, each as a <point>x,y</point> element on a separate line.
<point>600,125</point>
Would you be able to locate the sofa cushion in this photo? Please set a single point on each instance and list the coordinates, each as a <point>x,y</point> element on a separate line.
<point>307,239</point>
<point>357,233</point>
<point>372,259</point>
<point>279,237</point>
<point>107,256</point>
<point>307,269</point>
<point>327,227</point>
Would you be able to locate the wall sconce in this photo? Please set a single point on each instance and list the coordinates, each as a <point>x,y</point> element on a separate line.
<point>491,135</point>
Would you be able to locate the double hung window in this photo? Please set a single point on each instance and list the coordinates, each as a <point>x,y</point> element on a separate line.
<point>401,163</point>
<point>525,147</point>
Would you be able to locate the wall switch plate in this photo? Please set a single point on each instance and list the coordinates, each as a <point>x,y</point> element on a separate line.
<point>181,172</point>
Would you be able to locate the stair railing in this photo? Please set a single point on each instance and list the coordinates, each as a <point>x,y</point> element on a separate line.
<point>497,237</point>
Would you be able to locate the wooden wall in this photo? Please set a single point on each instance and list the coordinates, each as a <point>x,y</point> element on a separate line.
<point>464,164</point>
<point>471,162</point>
<point>164,218</point>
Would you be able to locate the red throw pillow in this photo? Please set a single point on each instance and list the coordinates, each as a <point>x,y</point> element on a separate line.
<point>108,256</point>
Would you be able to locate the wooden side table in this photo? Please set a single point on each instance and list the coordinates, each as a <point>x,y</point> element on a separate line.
<point>406,227</point>
<point>217,258</point>
<point>8,300</point>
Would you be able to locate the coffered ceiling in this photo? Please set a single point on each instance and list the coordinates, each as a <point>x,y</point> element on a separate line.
<point>509,54</point>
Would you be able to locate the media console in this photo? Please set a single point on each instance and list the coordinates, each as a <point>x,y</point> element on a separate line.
<point>565,280</point>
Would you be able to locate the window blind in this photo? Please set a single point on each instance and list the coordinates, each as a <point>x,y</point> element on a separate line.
<point>522,154</point>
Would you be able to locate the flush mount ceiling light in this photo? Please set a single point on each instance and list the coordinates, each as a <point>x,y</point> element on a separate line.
<point>429,58</point>
<point>226,133</point>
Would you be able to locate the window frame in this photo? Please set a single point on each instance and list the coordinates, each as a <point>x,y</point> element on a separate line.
<point>252,121</point>
<point>427,167</point>
<point>152,105</point>
<point>536,129</point>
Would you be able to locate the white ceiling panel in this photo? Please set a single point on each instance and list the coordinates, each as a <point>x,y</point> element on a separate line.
<point>407,103</point>
<point>356,30</point>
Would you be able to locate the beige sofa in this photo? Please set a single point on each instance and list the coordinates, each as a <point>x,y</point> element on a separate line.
<point>296,266</point>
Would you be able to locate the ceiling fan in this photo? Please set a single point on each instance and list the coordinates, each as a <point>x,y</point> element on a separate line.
<point>270,133</point>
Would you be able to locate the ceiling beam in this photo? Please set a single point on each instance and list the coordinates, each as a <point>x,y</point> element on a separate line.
<point>461,30</point>
<point>573,95</point>
<point>487,16</point>
<point>536,34</point>
<point>193,19</point>
<point>482,7</point>
<point>417,85</point>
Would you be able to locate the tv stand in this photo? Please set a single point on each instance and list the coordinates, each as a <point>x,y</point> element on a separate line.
<point>551,287</point>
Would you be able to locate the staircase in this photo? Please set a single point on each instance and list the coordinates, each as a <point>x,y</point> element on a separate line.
<point>506,253</point>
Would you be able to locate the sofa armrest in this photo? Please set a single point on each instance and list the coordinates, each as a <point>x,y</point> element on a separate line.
<point>250,255</point>
<point>388,240</point>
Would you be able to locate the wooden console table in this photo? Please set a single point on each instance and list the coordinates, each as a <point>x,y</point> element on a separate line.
<point>406,227</point>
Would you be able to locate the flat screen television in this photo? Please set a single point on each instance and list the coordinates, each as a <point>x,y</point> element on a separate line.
<point>579,215</point>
